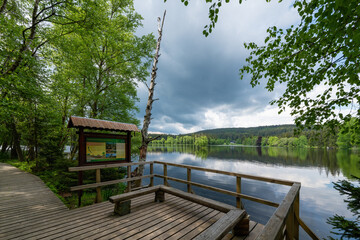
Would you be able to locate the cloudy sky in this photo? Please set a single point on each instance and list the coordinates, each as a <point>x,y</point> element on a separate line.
<point>198,82</point>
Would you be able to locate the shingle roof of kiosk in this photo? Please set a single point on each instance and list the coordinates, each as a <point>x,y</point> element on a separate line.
<point>90,123</point>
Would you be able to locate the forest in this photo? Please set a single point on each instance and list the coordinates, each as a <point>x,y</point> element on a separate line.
<point>63,58</point>
<point>274,136</point>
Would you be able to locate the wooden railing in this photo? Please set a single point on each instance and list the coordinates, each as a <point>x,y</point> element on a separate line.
<point>284,223</point>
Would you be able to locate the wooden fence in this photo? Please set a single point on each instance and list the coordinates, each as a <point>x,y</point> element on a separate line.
<point>284,223</point>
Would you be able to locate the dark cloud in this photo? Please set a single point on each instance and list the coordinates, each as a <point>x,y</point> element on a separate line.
<point>198,82</point>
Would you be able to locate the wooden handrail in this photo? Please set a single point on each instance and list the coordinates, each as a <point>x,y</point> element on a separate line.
<point>235,194</point>
<point>264,179</point>
<point>112,165</point>
<point>101,184</point>
<point>274,228</point>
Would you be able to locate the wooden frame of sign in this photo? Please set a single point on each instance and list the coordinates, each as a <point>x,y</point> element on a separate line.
<point>103,148</point>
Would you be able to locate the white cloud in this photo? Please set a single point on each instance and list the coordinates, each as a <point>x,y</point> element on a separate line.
<point>166,125</point>
<point>227,116</point>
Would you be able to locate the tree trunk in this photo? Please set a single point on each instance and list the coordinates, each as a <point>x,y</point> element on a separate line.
<point>13,153</point>
<point>4,147</point>
<point>16,142</point>
<point>74,146</point>
<point>147,118</point>
<point>3,6</point>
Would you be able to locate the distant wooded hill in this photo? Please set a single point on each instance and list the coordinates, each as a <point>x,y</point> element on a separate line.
<point>241,133</point>
<point>236,133</point>
<point>277,135</point>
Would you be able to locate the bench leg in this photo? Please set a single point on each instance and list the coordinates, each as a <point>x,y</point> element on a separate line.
<point>242,228</point>
<point>122,208</point>
<point>159,196</point>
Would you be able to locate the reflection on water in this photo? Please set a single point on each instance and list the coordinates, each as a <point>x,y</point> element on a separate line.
<point>331,161</point>
<point>316,169</point>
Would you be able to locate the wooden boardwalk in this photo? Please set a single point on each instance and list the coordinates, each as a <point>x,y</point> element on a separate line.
<point>29,210</point>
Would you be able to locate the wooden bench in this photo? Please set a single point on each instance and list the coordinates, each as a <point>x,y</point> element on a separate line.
<point>234,219</point>
<point>123,201</point>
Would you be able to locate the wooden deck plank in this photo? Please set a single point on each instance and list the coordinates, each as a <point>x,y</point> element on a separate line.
<point>72,218</point>
<point>28,207</point>
<point>18,218</point>
<point>177,226</point>
<point>143,224</point>
<point>106,226</point>
<point>255,232</point>
<point>26,231</point>
<point>120,223</point>
<point>187,232</point>
<point>163,223</point>
<point>36,220</point>
<point>229,236</point>
<point>224,225</point>
<point>31,217</point>
<point>204,224</point>
<point>67,231</point>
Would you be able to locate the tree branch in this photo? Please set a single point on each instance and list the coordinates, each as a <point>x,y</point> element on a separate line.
<point>3,6</point>
<point>154,138</point>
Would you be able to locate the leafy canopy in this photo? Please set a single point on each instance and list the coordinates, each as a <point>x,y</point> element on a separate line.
<point>64,57</point>
<point>324,50</point>
<point>98,68</point>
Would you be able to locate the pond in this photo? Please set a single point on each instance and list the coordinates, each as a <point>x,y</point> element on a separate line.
<point>316,169</point>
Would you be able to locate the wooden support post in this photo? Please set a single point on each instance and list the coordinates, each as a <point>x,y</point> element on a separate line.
<point>159,196</point>
<point>128,147</point>
<point>238,190</point>
<point>189,190</point>
<point>98,189</point>
<point>82,157</point>
<point>128,176</point>
<point>80,182</point>
<point>165,175</point>
<point>151,173</point>
<point>122,208</point>
<point>289,223</point>
<point>296,216</point>
<point>242,228</point>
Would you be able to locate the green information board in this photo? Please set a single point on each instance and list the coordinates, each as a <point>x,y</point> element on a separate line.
<point>105,150</point>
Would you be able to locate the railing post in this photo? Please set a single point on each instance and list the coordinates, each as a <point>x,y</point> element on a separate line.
<point>238,190</point>
<point>165,175</point>
<point>189,180</point>
<point>296,216</point>
<point>98,189</point>
<point>292,223</point>
<point>151,173</point>
<point>129,176</point>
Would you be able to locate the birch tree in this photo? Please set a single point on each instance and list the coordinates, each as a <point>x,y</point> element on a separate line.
<point>147,118</point>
